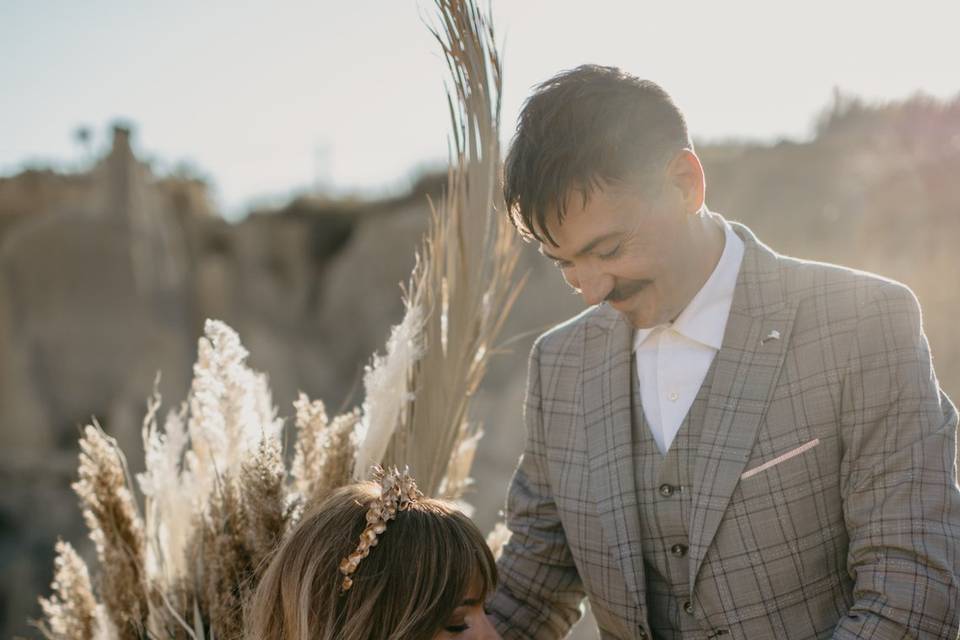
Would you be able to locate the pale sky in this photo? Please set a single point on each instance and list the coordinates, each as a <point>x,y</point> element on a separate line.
<point>270,99</point>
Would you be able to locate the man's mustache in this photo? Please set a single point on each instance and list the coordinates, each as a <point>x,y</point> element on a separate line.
<point>624,289</point>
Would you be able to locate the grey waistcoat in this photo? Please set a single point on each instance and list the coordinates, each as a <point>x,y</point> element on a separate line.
<point>663,490</point>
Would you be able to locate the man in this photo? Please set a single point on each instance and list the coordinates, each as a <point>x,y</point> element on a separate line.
<point>729,443</point>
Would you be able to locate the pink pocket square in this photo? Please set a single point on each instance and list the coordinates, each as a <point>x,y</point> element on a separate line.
<point>781,458</point>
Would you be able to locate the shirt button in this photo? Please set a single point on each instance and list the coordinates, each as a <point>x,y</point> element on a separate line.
<point>642,634</point>
<point>678,550</point>
<point>674,396</point>
<point>666,490</point>
<point>688,607</point>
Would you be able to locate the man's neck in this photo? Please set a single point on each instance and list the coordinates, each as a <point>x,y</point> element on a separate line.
<point>709,239</point>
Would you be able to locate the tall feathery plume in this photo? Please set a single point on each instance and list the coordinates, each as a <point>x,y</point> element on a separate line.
<point>230,409</point>
<point>224,567</point>
<point>387,383</point>
<point>71,612</point>
<point>168,506</point>
<point>110,513</point>
<point>325,451</point>
<point>234,467</point>
<point>340,455</point>
<point>311,424</point>
<point>263,486</point>
<point>457,479</point>
<point>467,261</point>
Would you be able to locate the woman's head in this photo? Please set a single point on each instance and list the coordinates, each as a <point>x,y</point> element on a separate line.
<point>426,577</point>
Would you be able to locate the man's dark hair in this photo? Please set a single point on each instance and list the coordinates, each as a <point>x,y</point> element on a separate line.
<point>583,128</point>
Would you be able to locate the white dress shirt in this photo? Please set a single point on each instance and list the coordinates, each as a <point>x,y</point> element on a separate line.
<point>673,359</point>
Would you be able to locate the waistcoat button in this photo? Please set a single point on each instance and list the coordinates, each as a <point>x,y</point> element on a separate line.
<point>642,634</point>
<point>678,550</point>
<point>688,607</point>
<point>666,490</point>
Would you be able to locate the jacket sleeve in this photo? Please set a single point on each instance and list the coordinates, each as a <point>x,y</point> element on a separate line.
<point>899,482</point>
<point>540,591</point>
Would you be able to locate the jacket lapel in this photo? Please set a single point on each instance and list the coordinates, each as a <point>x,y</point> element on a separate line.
<point>747,367</point>
<point>607,420</point>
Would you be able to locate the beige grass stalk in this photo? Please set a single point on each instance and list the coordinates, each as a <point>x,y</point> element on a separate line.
<point>264,494</point>
<point>340,456</point>
<point>224,566</point>
<point>387,383</point>
<point>168,504</point>
<point>110,513</point>
<point>457,479</point>
<point>311,426</point>
<point>230,409</point>
<point>467,261</point>
<point>325,452</point>
<point>70,613</point>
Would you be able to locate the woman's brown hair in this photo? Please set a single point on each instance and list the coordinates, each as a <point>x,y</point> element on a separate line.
<point>422,568</point>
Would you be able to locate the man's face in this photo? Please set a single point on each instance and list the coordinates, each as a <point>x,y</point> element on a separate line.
<point>633,252</point>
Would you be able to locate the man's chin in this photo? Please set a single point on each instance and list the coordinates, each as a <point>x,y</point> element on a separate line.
<point>635,313</point>
<point>627,310</point>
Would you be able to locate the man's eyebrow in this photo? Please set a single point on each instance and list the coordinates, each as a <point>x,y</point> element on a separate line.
<point>470,602</point>
<point>587,247</point>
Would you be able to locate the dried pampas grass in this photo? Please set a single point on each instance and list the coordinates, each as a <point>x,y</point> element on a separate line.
<point>168,507</point>
<point>312,430</point>
<point>218,500</point>
<point>224,564</point>
<point>218,497</point>
<point>230,408</point>
<point>71,612</point>
<point>110,513</point>
<point>387,382</point>
<point>464,278</point>
<point>325,452</point>
<point>263,485</point>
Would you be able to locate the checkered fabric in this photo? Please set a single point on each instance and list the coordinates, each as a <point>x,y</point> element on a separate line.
<point>663,486</point>
<point>854,537</point>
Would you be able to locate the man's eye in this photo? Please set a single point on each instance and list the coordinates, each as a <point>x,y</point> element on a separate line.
<point>611,254</point>
<point>457,628</point>
<point>561,264</point>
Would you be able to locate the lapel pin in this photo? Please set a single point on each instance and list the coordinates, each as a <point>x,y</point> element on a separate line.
<point>773,335</point>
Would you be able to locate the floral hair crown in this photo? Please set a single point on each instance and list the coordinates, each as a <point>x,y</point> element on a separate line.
<point>397,492</point>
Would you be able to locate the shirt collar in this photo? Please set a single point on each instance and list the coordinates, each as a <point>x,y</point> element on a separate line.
<point>704,319</point>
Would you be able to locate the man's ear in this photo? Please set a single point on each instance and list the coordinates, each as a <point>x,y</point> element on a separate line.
<point>686,174</point>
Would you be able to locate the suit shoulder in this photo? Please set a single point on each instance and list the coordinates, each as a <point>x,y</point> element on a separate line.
<point>807,280</point>
<point>561,337</point>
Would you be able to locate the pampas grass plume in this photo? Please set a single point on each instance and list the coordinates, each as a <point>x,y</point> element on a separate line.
<point>263,487</point>
<point>339,456</point>
<point>110,513</point>
<point>311,428</point>
<point>230,408</point>
<point>168,507</point>
<point>71,612</point>
<point>225,564</point>
<point>387,385</point>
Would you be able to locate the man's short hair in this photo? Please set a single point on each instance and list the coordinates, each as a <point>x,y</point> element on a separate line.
<point>583,128</point>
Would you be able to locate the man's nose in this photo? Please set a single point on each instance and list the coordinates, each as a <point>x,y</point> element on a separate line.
<point>593,285</point>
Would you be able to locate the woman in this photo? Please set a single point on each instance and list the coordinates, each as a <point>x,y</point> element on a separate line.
<point>377,561</point>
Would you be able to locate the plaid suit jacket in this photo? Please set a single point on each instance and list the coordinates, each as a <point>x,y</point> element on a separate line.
<point>825,500</point>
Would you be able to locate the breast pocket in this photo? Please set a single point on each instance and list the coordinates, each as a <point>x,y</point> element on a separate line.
<point>788,509</point>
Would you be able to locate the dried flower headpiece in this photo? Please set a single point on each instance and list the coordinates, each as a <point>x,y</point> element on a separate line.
<point>397,492</point>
